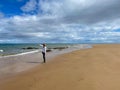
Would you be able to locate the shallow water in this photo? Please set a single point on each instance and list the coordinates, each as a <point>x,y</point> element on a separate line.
<point>13,49</point>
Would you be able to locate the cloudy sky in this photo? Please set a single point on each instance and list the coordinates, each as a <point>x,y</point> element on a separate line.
<point>60,21</point>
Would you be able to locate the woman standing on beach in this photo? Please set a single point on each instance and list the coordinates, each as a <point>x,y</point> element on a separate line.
<point>44,52</point>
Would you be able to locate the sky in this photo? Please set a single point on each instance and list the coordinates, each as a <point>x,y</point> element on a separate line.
<point>59,21</point>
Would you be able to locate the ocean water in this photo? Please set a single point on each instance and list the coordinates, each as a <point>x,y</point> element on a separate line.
<point>12,49</point>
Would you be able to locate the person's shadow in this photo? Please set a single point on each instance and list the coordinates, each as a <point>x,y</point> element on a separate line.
<point>37,62</point>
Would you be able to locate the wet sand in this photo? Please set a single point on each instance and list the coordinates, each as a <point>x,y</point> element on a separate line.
<point>97,68</point>
<point>15,64</point>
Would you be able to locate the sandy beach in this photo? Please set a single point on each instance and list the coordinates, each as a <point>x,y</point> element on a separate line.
<point>96,68</point>
<point>17,63</point>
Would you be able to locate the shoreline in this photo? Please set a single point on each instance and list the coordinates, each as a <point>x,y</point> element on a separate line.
<point>65,50</point>
<point>54,49</point>
<point>19,54</point>
<point>14,64</point>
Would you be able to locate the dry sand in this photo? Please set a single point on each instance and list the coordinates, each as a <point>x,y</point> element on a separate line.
<point>97,68</point>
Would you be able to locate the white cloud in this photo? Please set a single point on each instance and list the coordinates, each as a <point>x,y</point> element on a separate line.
<point>81,11</point>
<point>64,21</point>
<point>30,6</point>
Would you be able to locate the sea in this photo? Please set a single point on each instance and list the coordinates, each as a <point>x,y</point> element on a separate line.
<point>14,49</point>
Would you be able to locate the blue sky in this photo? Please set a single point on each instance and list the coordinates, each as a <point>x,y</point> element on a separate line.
<point>11,7</point>
<point>60,21</point>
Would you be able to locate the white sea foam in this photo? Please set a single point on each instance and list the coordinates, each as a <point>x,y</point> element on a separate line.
<point>20,54</point>
<point>1,50</point>
<point>69,49</point>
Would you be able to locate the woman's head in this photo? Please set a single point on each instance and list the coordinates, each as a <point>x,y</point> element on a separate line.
<point>44,44</point>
